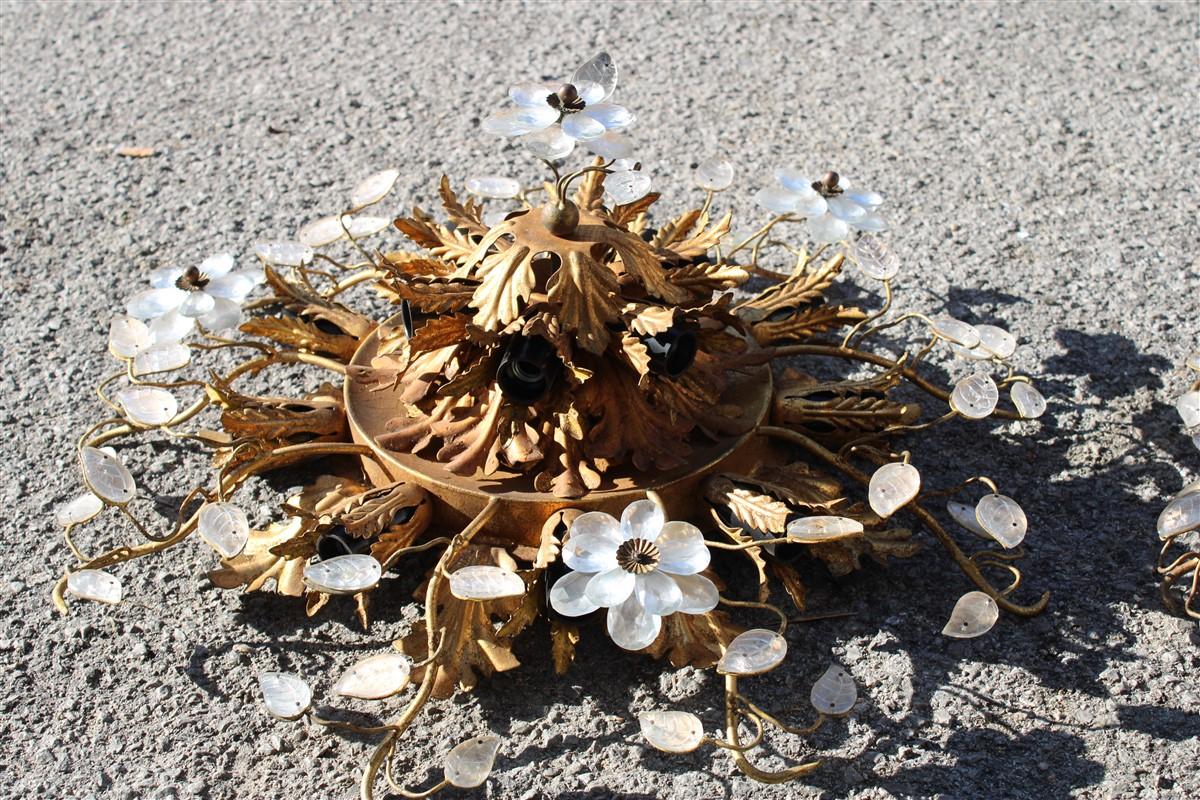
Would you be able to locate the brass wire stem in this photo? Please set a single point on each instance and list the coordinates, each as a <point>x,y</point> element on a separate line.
<point>905,317</point>
<point>416,548</point>
<point>79,556</point>
<point>761,232</point>
<point>892,429</point>
<point>104,398</point>
<point>355,279</point>
<point>806,730</point>
<point>783,618</point>
<point>751,544</point>
<point>887,304</point>
<point>914,507</point>
<point>731,732</point>
<point>338,724</point>
<point>759,733</point>
<point>953,490</point>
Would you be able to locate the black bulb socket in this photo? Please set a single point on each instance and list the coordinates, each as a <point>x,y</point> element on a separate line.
<point>672,351</point>
<point>528,369</point>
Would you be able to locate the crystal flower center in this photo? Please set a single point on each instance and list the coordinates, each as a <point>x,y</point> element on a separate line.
<point>192,281</point>
<point>638,556</point>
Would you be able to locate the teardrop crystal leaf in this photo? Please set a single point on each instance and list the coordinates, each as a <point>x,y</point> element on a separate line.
<point>1188,406</point>
<point>996,341</point>
<point>127,337</point>
<point>823,528</point>
<point>834,693</point>
<point>321,232</point>
<point>224,527</point>
<point>362,227</point>
<point>106,476</point>
<point>956,331</point>
<point>284,254</point>
<point>626,187</point>
<point>1028,401</point>
<point>374,188</point>
<point>79,510</point>
<point>672,731</point>
<point>148,405</point>
<point>753,652</point>
<point>599,74</point>
<point>485,582</point>
<point>1181,515</point>
<point>161,358</point>
<point>494,186</point>
<point>375,677</point>
<point>92,584</point>
<point>876,258</point>
<point>714,175</point>
<point>469,763</point>
<point>892,486</point>
<point>974,615</point>
<point>347,574</point>
<point>285,695</point>
<point>975,396</point>
<point>964,514</point>
<point>1002,518</point>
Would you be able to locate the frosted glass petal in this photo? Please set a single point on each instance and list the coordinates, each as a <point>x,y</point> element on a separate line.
<point>1002,518</point>
<point>348,574</point>
<point>868,200</point>
<point>1181,515</point>
<point>611,145</point>
<point>672,731</point>
<point>165,278</point>
<point>892,486</point>
<point>682,550</point>
<point>495,186</point>
<point>626,187</point>
<point>714,175</point>
<point>485,582</point>
<point>170,328</point>
<point>753,652</point>
<point>1028,401</point>
<point>153,303</point>
<point>834,693</point>
<point>592,543</point>
<point>92,584</point>
<point>362,227</point>
<point>610,115</point>
<point>964,515</point>
<point>777,199</point>
<point>658,593</point>
<point>827,229</point>
<point>700,595</point>
<point>284,254</point>
<point>374,188</point>
<point>519,120</point>
<point>642,519</point>
<point>975,396</point>
<point>846,210</point>
<point>224,527</point>
<point>127,337</point>
<point>320,232</point>
<point>795,181</point>
<point>631,627</point>
<point>823,528</point>
<point>569,595</point>
<point>161,358</point>
<point>79,510</point>
<point>976,353</point>
<point>996,341</point>
<point>234,286</point>
<point>582,127</point>
<point>225,314</point>
<point>106,476</point>
<point>876,258</point>
<point>974,615</point>
<point>955,331</point>
<point>1188,406</point>
<point>872,223</point>
<point>148,405</point>
<point>469,763</point>
<point>811,205</point>
<point>549,143</point>
<point>217,265</point>
<point>595,78</point>
<point>197,304</point>
<point>285,695</point>
<point>530,94</point>
<point>622,164</point>
<point>375,677</point>
<point>610,588</point>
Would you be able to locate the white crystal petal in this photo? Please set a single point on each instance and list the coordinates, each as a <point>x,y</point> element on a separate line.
<point>92,584</point>
<point>362,227</point>
<point>153,303</point>
<point>347,574</point>
<point>225,314</point>
<point>224,527</point>
<point>1002,518</point>
<point>320,232</point>
<point>1181,515</point>
<point>753,652</point>
<point>519,120</point>
<point>658,593</point>
<point>827,229</point>
<point>611,145</point>
<point>582,127</point>
<point>106,476</point>
<point>610,588</point>
<point>284,254</point>
<point>530,94</point>
<point>631,627</point>
<point>197,304</point>
<point>626,187</point>
<point>549,143</point>
<point>700,595</point>
<point>485,582</point>
<point>795,181</point>
<point>1188,406</point>
<point>374,188</point>
<point>234,286</point>
<point>812,206</point>
<point>834,693</point>
<point>165,278</point>
<point>148,405</point>
<point>868,200</point>
<point>714,175</point>
<point>892,486</point>
<point>672,731</point>
<point>375,677</point>
<point>974,615</point>
<point>170,328</point>
<point>162,357</point>
<point>610,115</point>
<point>876,258</point>
<point>285,695</point>
<point>591,551</point>
<point>872,223</point>
<point>127,337</point>
<point>595,79</point>
<point>217,265</point>
<point>1028,401</point>
<point>79,510</point>
<point>568,596</point>
<point>777,199</point>
<point>823,528</point>
<point>964,514</point>
<point>642,519</point>
<point>495,186</point>
<point>469,763</point>
<point>975,396</point>
<point>955,331</point>
<point>846,210</point>
<point>682,550</point>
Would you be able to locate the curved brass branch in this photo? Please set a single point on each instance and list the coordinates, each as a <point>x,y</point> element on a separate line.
<point>732,714</point>
<point>806,730</point>
<point>783,618</point>
<point>964,562</point>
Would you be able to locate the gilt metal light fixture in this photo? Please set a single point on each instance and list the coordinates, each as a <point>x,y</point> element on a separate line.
<point>571,409</point>
<point>1179,559</point>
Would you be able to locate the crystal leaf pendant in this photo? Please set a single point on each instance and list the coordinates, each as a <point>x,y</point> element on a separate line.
<point>469,763</point>
<point>672,731</point>
<point>892,486</point>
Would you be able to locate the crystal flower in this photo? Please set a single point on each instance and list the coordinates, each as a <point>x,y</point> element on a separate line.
<point>210,294</point>
<point>833,209</point>
<point>550,119</point>
<point>641,569</point>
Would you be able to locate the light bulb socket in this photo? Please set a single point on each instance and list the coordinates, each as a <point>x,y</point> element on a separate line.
<point>528,369</point>
<point>672,351</point>
<point>339,543</point>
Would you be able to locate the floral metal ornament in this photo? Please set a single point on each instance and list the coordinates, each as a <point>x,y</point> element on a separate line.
<point>1179,559</point>
<point>575,405</point>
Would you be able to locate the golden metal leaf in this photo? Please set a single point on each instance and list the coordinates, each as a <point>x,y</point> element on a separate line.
<point>506,281</point>
<point>706,277</point>
<point>800,289</point>
<point>563,638</point>
<point>637,259</point>
<point>590,194</point>
<point>367,514</point>
<point>586,295</point>
<point>702,241</point>
<point>805,323</point>
<point>439,332</point>
<point>632,216</point>
<point>301,335</point>
<point>430,296</point>
<point>405,263</point>
<point>464,216</point>
<point>751,508</point>
<point>697,640</point>
<point>440,241</point>
<point>789,578</point>
<point>676,230</point>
